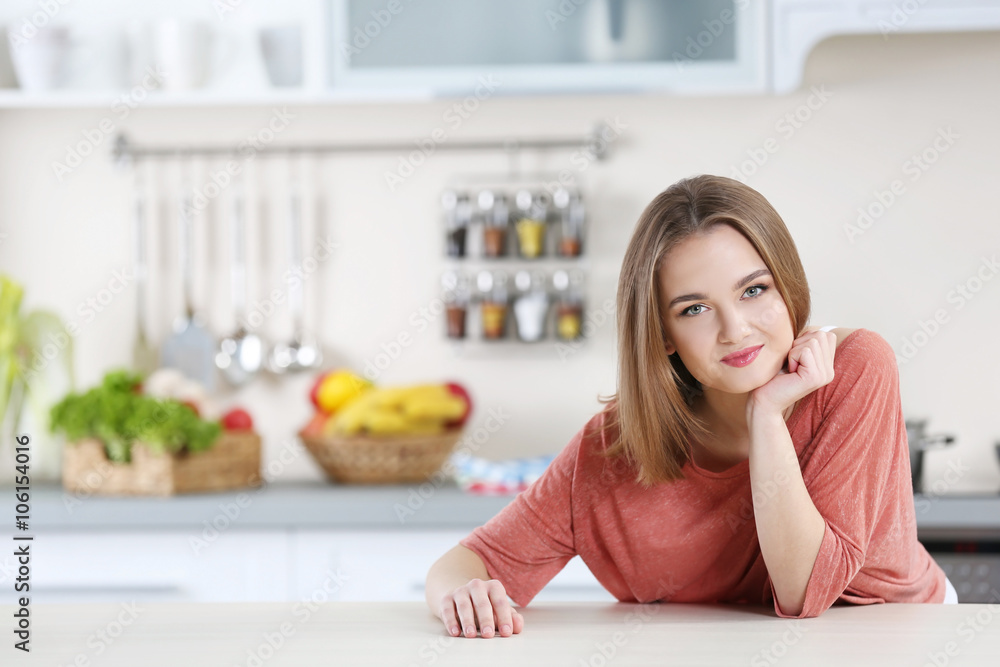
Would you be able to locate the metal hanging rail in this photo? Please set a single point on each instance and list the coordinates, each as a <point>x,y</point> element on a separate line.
<point>596,142</point>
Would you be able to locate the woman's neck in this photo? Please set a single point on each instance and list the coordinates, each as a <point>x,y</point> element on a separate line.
<point>725,417</point>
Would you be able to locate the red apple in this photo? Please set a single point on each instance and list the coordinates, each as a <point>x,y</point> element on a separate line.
<point>315,425</point>
<point>314,391</point>
<point>462,393</point>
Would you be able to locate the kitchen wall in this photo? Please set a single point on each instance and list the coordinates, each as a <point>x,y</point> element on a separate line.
<point>866,107</point>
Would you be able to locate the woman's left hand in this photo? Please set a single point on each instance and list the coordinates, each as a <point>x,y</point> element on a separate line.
<point>810,366</point>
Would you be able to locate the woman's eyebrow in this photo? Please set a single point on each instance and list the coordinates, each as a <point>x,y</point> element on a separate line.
<point>739,283</point>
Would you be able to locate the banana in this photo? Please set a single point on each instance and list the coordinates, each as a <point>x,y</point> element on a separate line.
<point>413,409</point>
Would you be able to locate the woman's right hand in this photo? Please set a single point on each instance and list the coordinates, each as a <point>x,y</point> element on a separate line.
<point>480,606</point>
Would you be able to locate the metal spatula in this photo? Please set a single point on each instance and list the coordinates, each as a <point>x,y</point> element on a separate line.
<point>191,347</point>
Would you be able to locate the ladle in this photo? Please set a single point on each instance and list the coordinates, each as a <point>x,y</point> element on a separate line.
<point>241,354</point>
<point>303,352</point>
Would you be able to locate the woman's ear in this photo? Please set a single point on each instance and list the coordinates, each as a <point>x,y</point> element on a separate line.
<point>669,348</point>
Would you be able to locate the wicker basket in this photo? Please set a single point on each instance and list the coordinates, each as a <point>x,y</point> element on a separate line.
<point>365,459</point>
<point>233,462</point>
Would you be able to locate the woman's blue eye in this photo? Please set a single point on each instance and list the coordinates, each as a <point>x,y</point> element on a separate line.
<point>762,288</point>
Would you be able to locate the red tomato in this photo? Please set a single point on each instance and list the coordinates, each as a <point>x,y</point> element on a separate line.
<point>237,419</point>
<point>460,391</point>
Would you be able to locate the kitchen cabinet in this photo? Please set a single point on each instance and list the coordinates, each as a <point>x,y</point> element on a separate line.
<point>799,25</point>
<point>483,47</point>
<point>159,566</point>
<point>255,565</point>
<point>374,50</point>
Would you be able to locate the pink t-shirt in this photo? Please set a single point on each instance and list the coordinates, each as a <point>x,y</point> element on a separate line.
<point>695,540</point>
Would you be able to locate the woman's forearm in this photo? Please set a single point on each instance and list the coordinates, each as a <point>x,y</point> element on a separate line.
<point>455,568</point>
<point>789,527</point>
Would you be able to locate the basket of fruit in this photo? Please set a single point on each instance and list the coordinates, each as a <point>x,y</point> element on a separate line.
<point>362,434</point>
<point>157,437</point>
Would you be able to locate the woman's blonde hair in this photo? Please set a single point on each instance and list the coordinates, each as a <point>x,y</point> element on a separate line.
<point>652,407</point>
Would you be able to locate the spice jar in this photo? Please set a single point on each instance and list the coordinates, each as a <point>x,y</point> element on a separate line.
<point>493,306</point>
<point>571,215</point>
<point>458,213</point>
<point>531,306</point>
<point>532,211</point>
<point>569,307</point>
<point>456,301</point>
<point>496,219</point>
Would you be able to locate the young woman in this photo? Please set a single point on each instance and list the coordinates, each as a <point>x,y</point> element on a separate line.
<point>745,458</point>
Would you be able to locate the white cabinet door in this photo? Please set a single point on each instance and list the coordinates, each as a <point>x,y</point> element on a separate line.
<point>159,566</point>
<point>393,565</point>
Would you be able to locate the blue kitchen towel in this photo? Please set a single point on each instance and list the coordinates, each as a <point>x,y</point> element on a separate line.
<point>482,476</point>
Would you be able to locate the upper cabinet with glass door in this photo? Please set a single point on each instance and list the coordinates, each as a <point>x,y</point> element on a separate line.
<point>445,47</point>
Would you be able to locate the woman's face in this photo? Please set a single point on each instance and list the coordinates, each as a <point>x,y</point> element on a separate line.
<point>727,302</point>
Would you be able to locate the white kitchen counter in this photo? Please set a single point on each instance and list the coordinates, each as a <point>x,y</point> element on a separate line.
<point>579,634</point>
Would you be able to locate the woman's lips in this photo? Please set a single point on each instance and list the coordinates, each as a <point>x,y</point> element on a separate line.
<point>743,357</point>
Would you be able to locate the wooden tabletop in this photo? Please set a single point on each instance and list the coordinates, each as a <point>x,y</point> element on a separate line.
<point>594,634</point>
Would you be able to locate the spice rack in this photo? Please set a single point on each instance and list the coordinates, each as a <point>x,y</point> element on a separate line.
<point>515,274</point>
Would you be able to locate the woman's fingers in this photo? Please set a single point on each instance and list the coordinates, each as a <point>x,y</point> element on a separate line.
<point>466,613</point>
<point>484,607</point>
<point>502,610</point>
<point>518,621</point>
<point>449,617</point>
<point>480,606</point>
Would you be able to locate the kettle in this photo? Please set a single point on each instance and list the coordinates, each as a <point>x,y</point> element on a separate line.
<point>918,443</point>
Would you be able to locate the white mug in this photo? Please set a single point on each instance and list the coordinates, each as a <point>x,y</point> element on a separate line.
<point>181,51</point>
<point>40,59</point>
<point>281,47</point>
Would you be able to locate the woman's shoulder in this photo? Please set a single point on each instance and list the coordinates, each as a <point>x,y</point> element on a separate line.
<point>863,359</point>
<point>858,345</point>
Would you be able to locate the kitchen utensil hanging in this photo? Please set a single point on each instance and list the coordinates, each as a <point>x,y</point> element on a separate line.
<point>241,354</point>
<point>191,347</point>
<point>302,352</point>
<point>144,356</point>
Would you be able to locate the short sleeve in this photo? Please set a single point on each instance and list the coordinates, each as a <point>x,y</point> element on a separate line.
<point>529,541</point>
<point>858,473</point>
